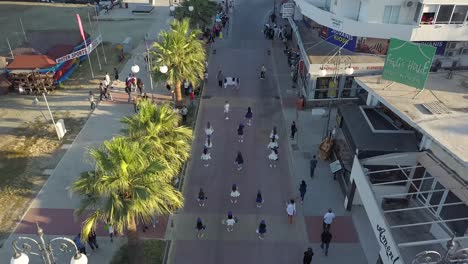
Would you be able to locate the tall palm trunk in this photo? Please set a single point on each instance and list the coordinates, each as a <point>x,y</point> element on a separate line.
<point>135,251</point>
<point>178,93</point>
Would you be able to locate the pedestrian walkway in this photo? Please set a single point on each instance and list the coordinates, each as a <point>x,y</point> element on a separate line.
<point>273,103</point>
<point>54,205</point>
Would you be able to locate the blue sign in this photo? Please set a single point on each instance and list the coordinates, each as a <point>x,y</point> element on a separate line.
<point>341,39</point>
<point>439,45</point>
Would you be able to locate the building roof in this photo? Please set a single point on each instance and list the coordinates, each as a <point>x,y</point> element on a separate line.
<point>368,142</point>
<point>319,51</point>
<point>31,62</point>
<point>449,97</point>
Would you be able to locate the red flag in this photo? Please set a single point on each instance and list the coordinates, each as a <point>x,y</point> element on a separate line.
<point>80,26</point>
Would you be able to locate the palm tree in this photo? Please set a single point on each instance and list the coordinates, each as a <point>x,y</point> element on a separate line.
<point>157,129</point>
<point>125,189</point>
<point>202,14</point>
<point>183,53</point>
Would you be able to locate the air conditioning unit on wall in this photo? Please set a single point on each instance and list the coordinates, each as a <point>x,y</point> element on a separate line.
<point>408,3</point>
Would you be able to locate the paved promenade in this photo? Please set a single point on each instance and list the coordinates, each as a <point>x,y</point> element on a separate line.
<point>241,55</point>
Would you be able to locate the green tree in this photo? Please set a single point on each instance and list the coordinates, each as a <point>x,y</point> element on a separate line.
<point>184,55</point>
<point>125,189</point>
<point>157,129</point>
<point>202,14</point>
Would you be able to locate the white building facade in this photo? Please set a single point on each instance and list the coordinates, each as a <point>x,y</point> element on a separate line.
<point>367,25</point>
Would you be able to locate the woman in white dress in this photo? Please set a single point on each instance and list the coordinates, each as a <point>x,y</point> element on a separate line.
<point>273,157</point>
<point>234,193</point>
<point>206,157</point>
<point>209,129</point>
<point>273,144</point>
<point>208,143</point>
<point>230,221</point>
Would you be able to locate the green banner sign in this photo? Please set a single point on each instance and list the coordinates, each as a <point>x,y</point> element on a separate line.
<point>408,63</point>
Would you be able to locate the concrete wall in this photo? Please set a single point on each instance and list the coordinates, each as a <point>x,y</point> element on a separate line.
<point>348,8</point>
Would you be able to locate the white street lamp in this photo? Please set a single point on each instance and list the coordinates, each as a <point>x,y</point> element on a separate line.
<point>190,8</point>
<point>172,8</point>
<point>349,70</point>
<point>135,68</point>
<point>19,258</point>
<point>163,69</point>
<point>322,72</point>
<point>45,250</point>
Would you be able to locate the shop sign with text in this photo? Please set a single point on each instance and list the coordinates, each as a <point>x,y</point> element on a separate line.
<point>408,63</point>
<point>439,45</point>
<point>339,38</point>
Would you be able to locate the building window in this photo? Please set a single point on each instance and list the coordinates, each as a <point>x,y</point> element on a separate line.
<point>459,15</point>
<point>444,15</point>
<point>391,14</point>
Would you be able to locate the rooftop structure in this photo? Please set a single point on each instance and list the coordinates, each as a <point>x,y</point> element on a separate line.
<point>439,112</point>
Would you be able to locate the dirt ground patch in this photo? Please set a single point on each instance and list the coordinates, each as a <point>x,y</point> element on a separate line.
<point>24,153</point>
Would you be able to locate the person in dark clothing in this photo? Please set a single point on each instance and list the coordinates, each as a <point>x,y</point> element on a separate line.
<point>308,256</point>
<point>313,164</point>
<point>326,238</point>
<point>293,129</point>
<point>262,230</point>
<point>79,245</point>
<point>201,197</point>
<point>140,86</point>
<point>92,240</point>
<point>116,74</point>
<point>200,228</point>
<point>302,190</point>
<point>239,161</point>
<point>102,91</point>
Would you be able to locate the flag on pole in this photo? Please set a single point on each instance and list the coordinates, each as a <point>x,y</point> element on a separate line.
<point>81,27</point>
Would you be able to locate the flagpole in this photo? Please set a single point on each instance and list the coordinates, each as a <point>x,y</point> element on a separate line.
<point>97,50</point>
<point>86,45</point>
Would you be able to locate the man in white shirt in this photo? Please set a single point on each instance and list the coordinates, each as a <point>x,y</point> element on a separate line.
<point>108,80</point>
<point>291,210</point>
<point>226,110</point>
<point>328,219</point>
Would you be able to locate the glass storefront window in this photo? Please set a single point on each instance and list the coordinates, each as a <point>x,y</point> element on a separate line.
<point>444,15</point>
<point>459,15</point>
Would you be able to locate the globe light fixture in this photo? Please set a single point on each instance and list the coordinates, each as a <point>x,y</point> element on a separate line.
<point>19,258</point>
<point>135,68</point>
<point>163,69</point>
<point>349,70</point>
<point>79,259</point>
<point>190,8</point>
<point>172,8</point>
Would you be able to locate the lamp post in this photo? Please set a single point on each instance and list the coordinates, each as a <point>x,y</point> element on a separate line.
<point>164,69</point>
<point>454,254</point>
<point>45,250</point>
<point>171,9</point>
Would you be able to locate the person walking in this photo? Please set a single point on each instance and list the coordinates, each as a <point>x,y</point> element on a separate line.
<point>234,193</point>
<point>302,190</point>
<point>248,116</point>
<point>128,90</point>
<point>308,254</point>
<point>230,221</point>
<point>313,164</point>
<point>116,74</point>
<point>192,99</point>
<point>259,199</point>
<point>102,91</point>
<point>92,239</point>
<point>220,77</point>
<point>201,198</point>
<point>184,112</point>
<point>328,219</point>
<point>107,78</point>
<point>326,239</point>
<point>240,132</point>
<point>200,227</point>
<point>273,144</point>
<point>293,129</point>
<point>80,246</point>
<point>274,133</point>
<point>262,229</point>
<point>226,110</point>
<point>111,231</point>
<point>92,101</point>
<point>291,210</point>
<point>206,157</point>
<point>273,157</point>
<point>136,104</point>
<point>262,72</point>
<point>140,85</point>
<point>208,143</point>
<point>209,129</point>
<point>239,160</point>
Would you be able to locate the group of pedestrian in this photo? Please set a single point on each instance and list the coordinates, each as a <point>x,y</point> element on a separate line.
<point>91,239</point>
